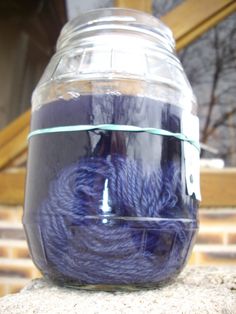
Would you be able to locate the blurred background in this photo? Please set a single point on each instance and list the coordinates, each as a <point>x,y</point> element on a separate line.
<point>205,32</point>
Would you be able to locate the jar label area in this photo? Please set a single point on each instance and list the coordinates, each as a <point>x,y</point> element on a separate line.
<point>190,127</point>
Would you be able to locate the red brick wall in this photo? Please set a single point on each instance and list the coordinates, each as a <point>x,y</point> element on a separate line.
<point>216,241</point>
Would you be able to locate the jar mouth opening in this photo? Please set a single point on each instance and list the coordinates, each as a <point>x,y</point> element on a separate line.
<point>115,19</point>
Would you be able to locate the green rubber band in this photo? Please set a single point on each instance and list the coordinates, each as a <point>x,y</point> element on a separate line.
<point>114,127</point>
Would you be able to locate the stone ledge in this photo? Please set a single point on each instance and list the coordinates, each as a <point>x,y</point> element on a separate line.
<point>197,290</point>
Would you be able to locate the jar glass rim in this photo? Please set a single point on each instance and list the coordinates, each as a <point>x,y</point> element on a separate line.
<point>113,19</point>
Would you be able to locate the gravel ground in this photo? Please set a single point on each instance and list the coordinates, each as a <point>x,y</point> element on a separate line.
<point>197,290</point>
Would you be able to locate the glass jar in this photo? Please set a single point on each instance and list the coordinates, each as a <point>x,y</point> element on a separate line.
<point>113,166</point>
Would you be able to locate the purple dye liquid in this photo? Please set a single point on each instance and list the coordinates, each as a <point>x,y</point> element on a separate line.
<point>151,244</point>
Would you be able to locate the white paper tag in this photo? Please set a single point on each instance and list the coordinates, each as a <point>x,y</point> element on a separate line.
<point>190,128</point>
